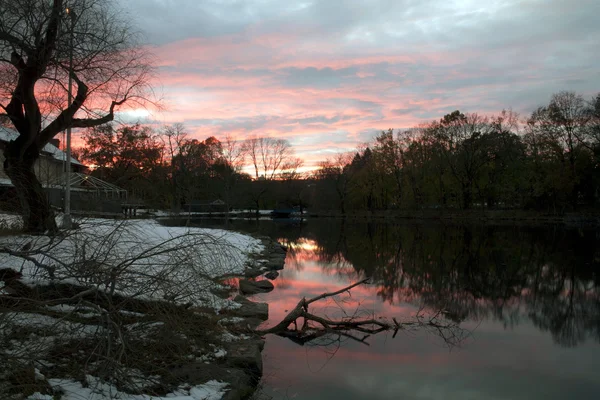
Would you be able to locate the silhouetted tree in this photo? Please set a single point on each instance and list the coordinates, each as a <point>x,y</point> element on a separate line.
<point>37,40</point>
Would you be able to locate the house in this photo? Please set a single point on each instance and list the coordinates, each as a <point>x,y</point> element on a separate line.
<point>48,168</point>
<point>87,193</point>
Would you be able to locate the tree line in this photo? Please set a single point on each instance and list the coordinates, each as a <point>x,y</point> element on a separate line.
<point>167,168</point>
<point>547,162</point>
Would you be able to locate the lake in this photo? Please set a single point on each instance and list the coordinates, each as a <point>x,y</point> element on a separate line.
<point>522,304</point>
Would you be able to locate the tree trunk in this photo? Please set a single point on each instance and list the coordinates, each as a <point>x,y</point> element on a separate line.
<point>37,214</point>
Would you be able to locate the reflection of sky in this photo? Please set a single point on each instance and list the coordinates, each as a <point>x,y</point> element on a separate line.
<point>495,363</point>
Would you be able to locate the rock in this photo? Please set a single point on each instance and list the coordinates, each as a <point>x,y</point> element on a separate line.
<point>241,382</point>
<point>250,309</point>
<point>253,272</point>
<point>272,275</point>
<point>253,287</point>
<point>222,292</point>
<point>252,323</point>
<point>246,356</point>
<point>275,265</point>
<point>277,249</point>
<point>277,256</point>
<point>242,325</point>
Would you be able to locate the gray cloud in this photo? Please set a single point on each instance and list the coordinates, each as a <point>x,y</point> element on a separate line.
<point>378,59</point>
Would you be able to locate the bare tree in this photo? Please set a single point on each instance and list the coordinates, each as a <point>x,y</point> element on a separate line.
<point>234,152</point>
<point>42,45</point>
<point>269,156</point>
<point>174,138</point>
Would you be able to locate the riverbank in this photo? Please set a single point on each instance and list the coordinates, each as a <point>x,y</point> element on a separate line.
<point>451,216</point>
<point>131,310</point>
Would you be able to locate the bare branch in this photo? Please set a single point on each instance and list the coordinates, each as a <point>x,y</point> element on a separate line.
<point>449,331</point>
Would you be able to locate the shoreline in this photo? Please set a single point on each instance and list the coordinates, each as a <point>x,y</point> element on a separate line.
<point>216,350</point>
<point>484,217</point>
<point>247,355</point>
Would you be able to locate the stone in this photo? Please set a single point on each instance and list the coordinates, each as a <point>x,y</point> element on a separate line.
<point>241,382</point>
<point>272,275</point>
<point>277,256</point>
<point>254,287</point>
<point>246,355</point>
<point>222,292</point>
<point>253,272</point>
<point>277,249</point>
<point>250,309</point>
<point>275,265</point>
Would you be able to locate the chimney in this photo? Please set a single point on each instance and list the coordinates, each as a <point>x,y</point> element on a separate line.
<point>55,142</point>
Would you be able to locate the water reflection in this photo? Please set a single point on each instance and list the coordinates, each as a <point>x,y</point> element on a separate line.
<point>529,295</point>
<point>504,273</point>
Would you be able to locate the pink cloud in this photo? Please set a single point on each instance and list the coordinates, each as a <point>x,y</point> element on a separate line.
<point>316,95</point>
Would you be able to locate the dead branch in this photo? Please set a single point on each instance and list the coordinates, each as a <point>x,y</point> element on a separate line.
<point>315,327</point>
<point>346,289</point>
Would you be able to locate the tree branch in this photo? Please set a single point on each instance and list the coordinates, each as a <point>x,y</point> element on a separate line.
<point>450,332</point>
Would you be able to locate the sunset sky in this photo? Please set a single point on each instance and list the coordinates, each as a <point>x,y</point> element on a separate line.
<point>329,74</point>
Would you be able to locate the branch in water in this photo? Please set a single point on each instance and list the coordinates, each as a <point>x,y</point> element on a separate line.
<point>449,331</point>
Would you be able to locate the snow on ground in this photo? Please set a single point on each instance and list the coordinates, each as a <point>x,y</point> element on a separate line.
<point>97,390</point>
<point>140,258</point>
<point>10,221</point>
<point>148,259</point>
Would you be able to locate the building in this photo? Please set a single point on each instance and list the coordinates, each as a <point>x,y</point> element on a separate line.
<point>87,193</point>
<point>48,168</point>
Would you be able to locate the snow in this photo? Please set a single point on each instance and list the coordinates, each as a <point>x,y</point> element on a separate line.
<point>179,264</point>
<point>97,390</point>
<point>11,221</point>
<point>184,260</point>
<point>231,320</point>
<point>228,337</point>
<point>263,212</point>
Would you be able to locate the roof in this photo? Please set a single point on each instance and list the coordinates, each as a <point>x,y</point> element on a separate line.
<point>7,134</point>
<point>79,182</point>
<point>87,182</point>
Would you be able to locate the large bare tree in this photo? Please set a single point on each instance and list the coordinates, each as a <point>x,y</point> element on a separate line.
<point>39,41</point>
<point>271,157</point>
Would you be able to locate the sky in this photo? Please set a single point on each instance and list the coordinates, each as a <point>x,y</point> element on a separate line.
<point>328,75</point>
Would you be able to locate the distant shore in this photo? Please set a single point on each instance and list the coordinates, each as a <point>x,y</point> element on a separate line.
<point>581,218</point>
<point>479,216</point>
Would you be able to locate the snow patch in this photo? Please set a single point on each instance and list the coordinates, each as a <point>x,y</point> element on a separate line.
<point>97,390</point>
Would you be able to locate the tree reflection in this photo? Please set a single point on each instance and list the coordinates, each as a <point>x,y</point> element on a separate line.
<point>548,275</point>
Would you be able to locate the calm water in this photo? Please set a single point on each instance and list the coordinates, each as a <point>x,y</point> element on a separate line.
<point>527,298</point>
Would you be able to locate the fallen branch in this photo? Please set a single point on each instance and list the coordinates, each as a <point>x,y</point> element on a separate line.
<point>314,327</point>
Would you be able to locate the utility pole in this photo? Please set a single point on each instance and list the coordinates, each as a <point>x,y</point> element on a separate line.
<point>67,217</point>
